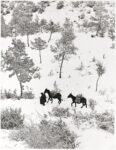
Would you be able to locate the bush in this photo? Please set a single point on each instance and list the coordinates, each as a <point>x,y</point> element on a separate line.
<point>60,5</point>
<point>102,92</point>
<point>61,112</point>
<point>105,121</point>
<point>56,88</point>
<point>80,119</point>
<point>92,104</point>
<point>82,16</point>
<point>41,6</point>
<point>28,94</point>
<point>9,94</point>
<point>91,4</point>
<point>80,67</point>
<point>47,134</point>
<point>76,4</point>
<point>11,118</point>
<point>51,73</point>
<point>11,5</point>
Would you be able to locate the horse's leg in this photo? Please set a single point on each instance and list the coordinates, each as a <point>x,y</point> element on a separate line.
<point>75,104</point>
<point>51,100</point>
<point>59,101</point>
<point>86,105</point>
<point>71,103</point>
<point>48,99</point>
<point>82,105</point>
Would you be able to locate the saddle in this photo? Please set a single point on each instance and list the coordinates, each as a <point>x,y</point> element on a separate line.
<point>53,92</point>
<point>78,99</point>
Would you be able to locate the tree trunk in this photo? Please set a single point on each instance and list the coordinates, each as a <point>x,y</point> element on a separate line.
<point>15,34</point>
<point>27,39</point>
<point>21,88</point>
<point>40,56</point>
<point>50,36</point>
<point>98,27</point>
<point>60,73</point>
<point>97,83</point>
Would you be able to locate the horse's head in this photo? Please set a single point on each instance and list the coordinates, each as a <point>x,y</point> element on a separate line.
<point>45,91</point>
<point>69,95</point>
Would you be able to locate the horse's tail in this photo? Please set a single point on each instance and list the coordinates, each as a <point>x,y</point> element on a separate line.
<point>86,102</point>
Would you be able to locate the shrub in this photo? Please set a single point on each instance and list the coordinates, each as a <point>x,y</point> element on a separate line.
<point>91,4</point>
<point>9,94</point>
<point>11,118</point>
<point>105,121</point>
<point>92,104</point>
<point>11,5</point>
<point>113,46</point>
<point>93,59</point>
<point>37,75</point>
<point>60,5</point>
<point>61,112</point>
<point>80,118</point>
<point>80,67</point>
<point>51,73</point>
<point>102,92</point>
<point>56,88</point>
<point>28,94</point>
<point>47,134</point>
<point>76,4</point>
<point>41,6</point>
<point>82,16</point>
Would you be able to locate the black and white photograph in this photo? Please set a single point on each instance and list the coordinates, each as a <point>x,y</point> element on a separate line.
<point>57,74</point>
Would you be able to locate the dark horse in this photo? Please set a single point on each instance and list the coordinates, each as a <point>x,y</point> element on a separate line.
<point>78,100</point>
<point>52,95</point>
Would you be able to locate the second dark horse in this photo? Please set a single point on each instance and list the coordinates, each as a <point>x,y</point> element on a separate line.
<point>78,100</point>
<point>52,95</point>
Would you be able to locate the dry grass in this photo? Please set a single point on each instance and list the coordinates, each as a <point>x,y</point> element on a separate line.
<point>47,134</point>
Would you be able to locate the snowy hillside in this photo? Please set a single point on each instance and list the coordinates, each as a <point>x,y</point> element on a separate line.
<point>79,76</point>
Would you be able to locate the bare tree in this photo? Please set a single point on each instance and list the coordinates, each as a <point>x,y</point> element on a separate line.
<point>100,71</point>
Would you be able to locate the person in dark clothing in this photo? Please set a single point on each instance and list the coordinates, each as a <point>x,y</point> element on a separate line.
<point>43,99</point>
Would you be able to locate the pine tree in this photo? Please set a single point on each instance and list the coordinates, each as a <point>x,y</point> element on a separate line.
<point>17,62</point>
<point>39,45</point>
<point>64,47</point>
<point>52,28</point>
<point>100,21</point>
<point>111,29</point>
<point>22,20</point>
<point>43,24</point>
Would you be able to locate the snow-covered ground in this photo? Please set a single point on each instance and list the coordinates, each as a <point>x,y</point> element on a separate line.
<point>72,80</point>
